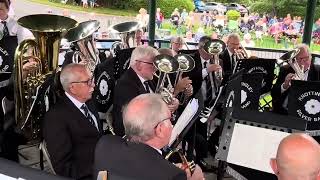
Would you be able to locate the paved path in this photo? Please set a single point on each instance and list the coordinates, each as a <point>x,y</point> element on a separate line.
<point>25,7</point>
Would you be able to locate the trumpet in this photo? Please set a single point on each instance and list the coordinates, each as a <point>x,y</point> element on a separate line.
<point>165,64</point>
<point>290,58</point>
<point>215,47</point>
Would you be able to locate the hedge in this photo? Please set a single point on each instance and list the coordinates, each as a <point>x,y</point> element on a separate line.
<point>168,6</point>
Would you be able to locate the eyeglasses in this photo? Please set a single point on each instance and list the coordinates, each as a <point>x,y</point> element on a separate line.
<point>89,82</point>
<point>169,118</point>
<point>150,63</point>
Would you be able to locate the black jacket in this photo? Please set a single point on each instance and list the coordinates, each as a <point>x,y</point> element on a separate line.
<point>71,139</point>
<point>129,160</point>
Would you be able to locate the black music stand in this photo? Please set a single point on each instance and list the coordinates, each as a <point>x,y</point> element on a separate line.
<point>264,66</point>
<point>304,102</point>
<point>251,90</point>
<point>122,61</point>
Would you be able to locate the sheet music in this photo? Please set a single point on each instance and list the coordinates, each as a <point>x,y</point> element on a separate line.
<point>253,147</point>
<point>5,177</point>
<point>186,116</point>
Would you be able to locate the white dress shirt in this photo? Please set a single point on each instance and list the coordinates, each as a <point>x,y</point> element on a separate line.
<point>142,81</point>
<point>79,104</point>
<point>16,30</point>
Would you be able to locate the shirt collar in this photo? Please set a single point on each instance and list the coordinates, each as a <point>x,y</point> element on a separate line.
<point>141,78</point>
<point>77,103</point>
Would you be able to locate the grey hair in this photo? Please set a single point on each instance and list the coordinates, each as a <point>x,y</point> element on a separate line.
<point>234,36</point>
<point>166,51</point>
<point>142,52</point>
<point>142,115</point>
<point>305,47</point>
<point>69,74</point>
<point>177,39</point>
<point>202,41</point>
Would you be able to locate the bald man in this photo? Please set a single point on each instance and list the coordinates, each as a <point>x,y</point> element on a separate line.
<point>298,158</point>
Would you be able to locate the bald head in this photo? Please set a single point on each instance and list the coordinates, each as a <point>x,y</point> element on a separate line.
<point>298,157</point>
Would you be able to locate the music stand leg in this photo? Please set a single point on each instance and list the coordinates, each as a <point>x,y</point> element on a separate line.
<point>221,169</point>
<point>41,160</point>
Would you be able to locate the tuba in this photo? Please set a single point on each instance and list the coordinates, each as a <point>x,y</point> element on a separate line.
<point>290,58</point>
<point>127,32</point>
<point>48,30</point>
<point>82,36</point>
<point>165,64</point>
<point>215,47</point>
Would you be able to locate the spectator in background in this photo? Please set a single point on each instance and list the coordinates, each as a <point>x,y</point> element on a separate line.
<point>190,21</point>
<point>298,157</point>
<point>84,3</point>
<point>159,18</point>
<point>92,3</point>
<point>247,41</point>
<point>143,19</point>
<point>175,18</point>
<point>184,16</point>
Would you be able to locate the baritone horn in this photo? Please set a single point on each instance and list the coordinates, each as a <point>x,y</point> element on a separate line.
<point>290,58</point>
<point>47,30</point>
<point>82,36</point>
<point>165,64</point>
<point>215,47</point>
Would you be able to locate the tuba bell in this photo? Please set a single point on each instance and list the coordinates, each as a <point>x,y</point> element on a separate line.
<point>290,58</point>
<point>126,32</point>
<point>48,30</point>
<point>215,47</point>
<point>165,64</point>
<point>82,36</point>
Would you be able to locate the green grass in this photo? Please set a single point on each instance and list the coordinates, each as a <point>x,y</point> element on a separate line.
<point>99,10</point>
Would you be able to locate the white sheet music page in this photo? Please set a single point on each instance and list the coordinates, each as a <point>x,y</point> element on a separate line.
<point>185,118</point>
<point>5,177</point>
<point>253,147</point>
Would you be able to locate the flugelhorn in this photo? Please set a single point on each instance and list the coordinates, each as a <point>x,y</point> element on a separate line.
<point>165,64</point>
<point>290,58</point>
<point>48,31</point>
<point>215,47</point>
<point>82,36</point>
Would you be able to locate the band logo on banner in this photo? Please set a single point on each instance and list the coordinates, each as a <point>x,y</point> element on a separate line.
<point>3,66</point>
<point>304,102</point>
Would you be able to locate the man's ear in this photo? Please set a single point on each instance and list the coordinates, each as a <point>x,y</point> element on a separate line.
<point>159,130</point>
<point>273,164</point>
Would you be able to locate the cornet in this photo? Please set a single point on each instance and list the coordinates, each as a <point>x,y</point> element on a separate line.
<point>290,58</point>
<point>241,53</point>
<point>215,47</point>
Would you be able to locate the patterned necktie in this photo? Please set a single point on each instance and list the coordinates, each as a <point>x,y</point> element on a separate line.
<point>5,30</point>
<point>208,84</point>
<point>146,84</point>
<point>87,114</point>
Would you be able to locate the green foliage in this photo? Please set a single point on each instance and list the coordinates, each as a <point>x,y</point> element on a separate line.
<point>168,6</point>
<point>233,15</point>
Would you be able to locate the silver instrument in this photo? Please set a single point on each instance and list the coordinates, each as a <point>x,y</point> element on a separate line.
<point>241,53</point>
<point>215,47</point>
<point>165,64</point>
<point>126,32</point>
<point>82,35</point>
<point>290,58</point>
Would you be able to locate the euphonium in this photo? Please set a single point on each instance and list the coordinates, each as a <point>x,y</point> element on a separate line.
<point>290,58</point>
<point>48,30</point>
<point>165,64</point>
<point>215,47</point>
<point>82,36</point>
<point>184,162</point>
<point>126,32</point>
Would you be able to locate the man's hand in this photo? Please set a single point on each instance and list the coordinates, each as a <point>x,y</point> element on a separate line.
<point>188,91</point>
<point>182,85</point>
<point>29,66</point>
<point>174,105</point>
<point>197,174</point>
<point>213,67</point>
<point>287,81</point>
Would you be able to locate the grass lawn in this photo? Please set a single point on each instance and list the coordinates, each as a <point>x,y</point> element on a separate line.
<point>100,10</point>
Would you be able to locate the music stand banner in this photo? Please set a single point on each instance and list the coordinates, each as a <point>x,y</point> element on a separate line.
<point>304,102</point>
<point>264,66</point>
<point>251,90</point>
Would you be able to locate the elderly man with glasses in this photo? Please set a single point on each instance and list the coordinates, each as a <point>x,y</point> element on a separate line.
<point>71,127</point>
<point>148,128</point>
<point>135,81</point>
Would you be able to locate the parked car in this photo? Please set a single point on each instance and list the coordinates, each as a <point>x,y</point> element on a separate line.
<point>199,6</point>
<point>215,7</point>
<point>234,6</point>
